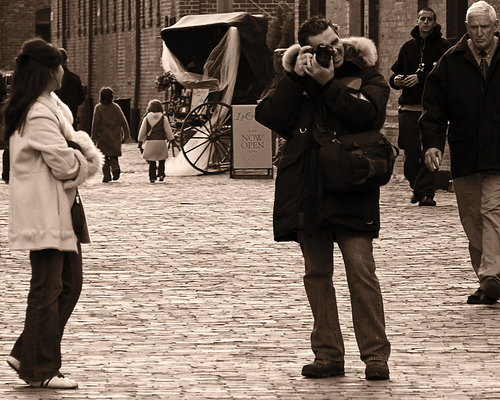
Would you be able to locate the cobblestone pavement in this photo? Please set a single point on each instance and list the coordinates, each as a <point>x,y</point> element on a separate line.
<point>186,296</point>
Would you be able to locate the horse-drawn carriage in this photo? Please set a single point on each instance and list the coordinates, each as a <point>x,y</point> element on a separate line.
<point>215,61</point>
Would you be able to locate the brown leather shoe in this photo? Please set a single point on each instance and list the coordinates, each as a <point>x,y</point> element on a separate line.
<point>377,371</point>
<point>321,368</point>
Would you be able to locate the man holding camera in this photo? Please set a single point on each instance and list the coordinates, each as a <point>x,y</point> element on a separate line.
<point>330,83</point>
<point>415,61</point>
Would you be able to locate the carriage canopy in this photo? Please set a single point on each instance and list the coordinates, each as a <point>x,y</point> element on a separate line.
<point>223,52</point>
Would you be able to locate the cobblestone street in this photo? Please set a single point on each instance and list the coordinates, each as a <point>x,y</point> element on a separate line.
<point>187,296</point>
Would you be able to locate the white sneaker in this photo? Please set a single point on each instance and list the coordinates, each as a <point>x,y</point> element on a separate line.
<point>56,382</point>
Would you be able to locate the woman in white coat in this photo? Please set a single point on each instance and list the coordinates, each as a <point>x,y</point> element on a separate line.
<point>48,160</point>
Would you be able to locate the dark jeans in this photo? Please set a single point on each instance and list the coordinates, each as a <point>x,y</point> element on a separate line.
<point>110,165</point>
<point>152,169</point>
<point>55,287</point>
<point>366,298</point>
<point>421,179</point>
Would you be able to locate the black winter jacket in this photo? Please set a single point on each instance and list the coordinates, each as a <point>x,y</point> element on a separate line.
<point>300,201</point>
<point>456,92</point>
<point>415,51</point>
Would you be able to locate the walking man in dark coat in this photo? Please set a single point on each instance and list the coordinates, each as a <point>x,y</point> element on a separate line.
<point>463,90</point>
<point>352,96</point>
<point>416,59</point>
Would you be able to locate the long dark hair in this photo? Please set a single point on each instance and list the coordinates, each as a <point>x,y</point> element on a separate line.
<point>30,79</point>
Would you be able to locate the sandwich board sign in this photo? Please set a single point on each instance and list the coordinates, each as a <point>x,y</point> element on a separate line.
<point>252,150</point>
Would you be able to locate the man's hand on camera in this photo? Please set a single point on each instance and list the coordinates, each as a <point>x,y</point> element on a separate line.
<point>320,74</point>
<point>303,60</point>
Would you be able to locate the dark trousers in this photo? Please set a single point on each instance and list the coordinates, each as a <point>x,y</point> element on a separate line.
<point>366,297</point>
<point>421,179</point>
<point>110,165</point>
<point>152,169</point>
<point>56,283</point>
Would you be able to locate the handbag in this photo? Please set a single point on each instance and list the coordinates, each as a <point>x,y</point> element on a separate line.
<point>354,162</point>
<point>79,220</point>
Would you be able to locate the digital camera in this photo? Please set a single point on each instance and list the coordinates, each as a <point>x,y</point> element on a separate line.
<point>324,54</point>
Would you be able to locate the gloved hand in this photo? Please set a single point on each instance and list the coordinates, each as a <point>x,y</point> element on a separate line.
<point>139,145</point>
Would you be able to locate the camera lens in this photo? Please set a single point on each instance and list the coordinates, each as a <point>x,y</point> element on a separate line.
<point>323,56</point>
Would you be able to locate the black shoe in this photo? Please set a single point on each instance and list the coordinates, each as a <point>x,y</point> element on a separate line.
<point>426,201</point>
<point>413,199</point>
<point>320,368</point>
<point>377,371</point>
<point>475,298</point>
<point>491,291</point>
<point>478,297</point>
<point>116,174</point>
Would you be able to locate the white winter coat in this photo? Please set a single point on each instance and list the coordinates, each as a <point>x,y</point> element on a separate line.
<point>44,174</point>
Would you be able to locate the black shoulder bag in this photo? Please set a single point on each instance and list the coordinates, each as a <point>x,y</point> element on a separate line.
<point>354,162</point>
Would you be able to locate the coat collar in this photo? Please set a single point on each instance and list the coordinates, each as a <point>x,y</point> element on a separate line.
<point>435,34</point>
<point>463,48</point>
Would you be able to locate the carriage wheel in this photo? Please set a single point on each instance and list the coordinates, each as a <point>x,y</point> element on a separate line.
<point>205,137</point>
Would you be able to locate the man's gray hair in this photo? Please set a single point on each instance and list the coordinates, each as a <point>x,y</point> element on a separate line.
<point>481,7</point>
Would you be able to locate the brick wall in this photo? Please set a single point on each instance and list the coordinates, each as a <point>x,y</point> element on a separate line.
<point>17,24</point>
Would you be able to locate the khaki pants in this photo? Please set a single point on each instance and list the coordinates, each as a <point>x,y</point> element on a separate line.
<point>478,198</point>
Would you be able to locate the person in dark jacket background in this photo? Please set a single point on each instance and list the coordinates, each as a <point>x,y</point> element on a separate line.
<point>109,130</point>
<point>460,92</point>
<point>71,92</point>
<point>416,59</point>
<point>352,96</point>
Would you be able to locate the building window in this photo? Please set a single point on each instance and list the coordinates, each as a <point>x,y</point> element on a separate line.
<point>42,24</point>
<point>455,19</point>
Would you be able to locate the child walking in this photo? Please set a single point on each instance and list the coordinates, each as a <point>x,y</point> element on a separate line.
<point>154,131</point>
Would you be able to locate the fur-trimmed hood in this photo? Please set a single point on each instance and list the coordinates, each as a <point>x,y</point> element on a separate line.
<point>354,47</point>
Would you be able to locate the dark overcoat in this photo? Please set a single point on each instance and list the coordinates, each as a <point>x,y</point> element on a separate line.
<point>109,129</point>
<point>456,92</point>
<point>353,101</point>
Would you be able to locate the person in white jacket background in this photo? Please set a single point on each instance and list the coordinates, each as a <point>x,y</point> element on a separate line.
<point>48,160</point>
